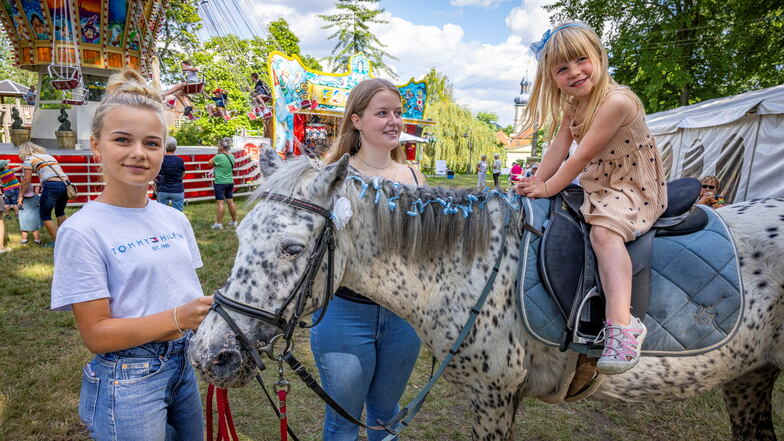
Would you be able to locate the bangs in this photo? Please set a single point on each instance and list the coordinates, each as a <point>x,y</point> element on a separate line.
<point>568,44</point>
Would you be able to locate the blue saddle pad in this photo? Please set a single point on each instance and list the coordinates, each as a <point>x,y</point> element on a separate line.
<point>696,298</point>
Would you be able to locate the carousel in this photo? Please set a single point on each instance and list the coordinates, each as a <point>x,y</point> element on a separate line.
<point>74,46</point>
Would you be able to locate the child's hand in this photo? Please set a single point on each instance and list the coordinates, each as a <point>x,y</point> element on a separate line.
<point>532,187</point>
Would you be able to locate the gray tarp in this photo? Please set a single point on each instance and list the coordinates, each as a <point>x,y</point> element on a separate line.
<point>740,139</point>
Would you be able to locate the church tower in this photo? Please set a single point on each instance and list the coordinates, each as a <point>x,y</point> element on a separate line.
<point>521,102</point>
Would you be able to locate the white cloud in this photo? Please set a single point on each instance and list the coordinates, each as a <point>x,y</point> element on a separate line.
<point>529,20</point>
<point>480,3</point>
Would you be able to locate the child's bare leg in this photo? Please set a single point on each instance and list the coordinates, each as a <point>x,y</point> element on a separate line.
<point>24,235</point>
<point>36,236</point>
<point>183,99</point>
<point>178,87</point>
<point>615,270</point>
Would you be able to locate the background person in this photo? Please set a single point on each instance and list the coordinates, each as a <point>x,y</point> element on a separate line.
<point>54,194</point>
<point>30,95</point>
<point>135,300</point>
<point>481,171</point>
<point>191,74</point>
<point>10,187</point>
<point>709,194</point>
<point>29,216</point>
<point>496,168</point>
<point>169,180</point>
<point>516,172</point>
<point>364,352</point>
<point>223,185</point>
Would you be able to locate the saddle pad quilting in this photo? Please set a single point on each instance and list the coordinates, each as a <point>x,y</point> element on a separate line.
<point>696,299</point>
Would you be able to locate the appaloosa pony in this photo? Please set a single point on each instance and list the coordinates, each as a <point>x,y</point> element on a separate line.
<point>430,267</point>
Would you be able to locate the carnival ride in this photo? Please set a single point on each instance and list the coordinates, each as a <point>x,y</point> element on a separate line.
<point>74,45</point>
<point>307,103</point>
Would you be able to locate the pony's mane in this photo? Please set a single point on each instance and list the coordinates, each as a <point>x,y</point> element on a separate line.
<point>418,223</point>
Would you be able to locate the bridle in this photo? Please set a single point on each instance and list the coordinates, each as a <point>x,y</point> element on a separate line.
<point>303,290</point>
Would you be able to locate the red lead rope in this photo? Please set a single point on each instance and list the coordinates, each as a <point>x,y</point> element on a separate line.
<point>225,421</point>
<point>283,422</point>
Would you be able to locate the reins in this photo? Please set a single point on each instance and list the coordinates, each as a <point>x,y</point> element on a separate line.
<point>299,295</point>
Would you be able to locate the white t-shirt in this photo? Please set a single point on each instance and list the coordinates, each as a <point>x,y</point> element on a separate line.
<point>143,259</point>
<point>482,167</point>
<point>497,166</point>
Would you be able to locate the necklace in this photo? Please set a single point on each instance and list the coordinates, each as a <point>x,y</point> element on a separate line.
<point>375,168</point>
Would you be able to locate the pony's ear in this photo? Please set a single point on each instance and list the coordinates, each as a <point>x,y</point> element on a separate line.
<point>269,161</point>
<point>329,179</point>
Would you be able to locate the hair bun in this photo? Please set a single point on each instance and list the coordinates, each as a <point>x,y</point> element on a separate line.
<point>130,81</point>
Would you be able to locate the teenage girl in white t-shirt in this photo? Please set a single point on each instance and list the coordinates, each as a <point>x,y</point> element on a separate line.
<point>126,267</point>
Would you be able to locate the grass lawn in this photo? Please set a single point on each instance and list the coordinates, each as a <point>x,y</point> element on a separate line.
<point>42,357</point>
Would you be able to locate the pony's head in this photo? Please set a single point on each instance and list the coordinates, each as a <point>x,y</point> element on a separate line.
<point>276,244</point>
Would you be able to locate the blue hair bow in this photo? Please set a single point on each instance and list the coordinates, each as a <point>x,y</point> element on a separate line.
<point>537,46</point>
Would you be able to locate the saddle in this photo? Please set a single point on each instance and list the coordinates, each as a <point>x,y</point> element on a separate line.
<point>567,264</point>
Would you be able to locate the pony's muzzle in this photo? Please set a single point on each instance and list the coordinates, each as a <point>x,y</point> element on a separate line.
<point>225,364</point>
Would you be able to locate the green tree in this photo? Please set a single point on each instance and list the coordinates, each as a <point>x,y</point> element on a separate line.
<point>439,89</point>
<point>460,137</point>
<point>7,69</point>
<point>178,37</point>
<point>678,52</point>
<point>352,30</point>
<point>489,118</point>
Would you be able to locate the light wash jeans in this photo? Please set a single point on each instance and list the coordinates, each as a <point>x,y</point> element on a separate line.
<point>176,199</point>
<point>145,393</point>
<point>365,355</point>
<point>480,179</point>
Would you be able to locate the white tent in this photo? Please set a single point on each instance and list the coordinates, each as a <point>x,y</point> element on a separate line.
<point>740,139</point>
<point>407,137</point>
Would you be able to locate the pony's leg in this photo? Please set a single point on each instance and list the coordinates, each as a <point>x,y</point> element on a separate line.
<point>493,413</point>
<point>748,402</point>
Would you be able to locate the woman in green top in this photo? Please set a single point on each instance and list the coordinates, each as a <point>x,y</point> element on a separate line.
<point>224,182</point>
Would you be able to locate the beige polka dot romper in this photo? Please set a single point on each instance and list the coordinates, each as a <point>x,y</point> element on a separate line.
<point>625,188</point>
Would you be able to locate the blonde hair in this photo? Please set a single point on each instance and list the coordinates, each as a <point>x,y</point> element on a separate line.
<point>127,88</point>
<point>712,178</point>
<point>568,41</point>
<point>28,148</point>
<point>348,140</point>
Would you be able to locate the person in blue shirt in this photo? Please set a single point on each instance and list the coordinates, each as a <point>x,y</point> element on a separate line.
<point>168,183</point>
<point>30,95</point>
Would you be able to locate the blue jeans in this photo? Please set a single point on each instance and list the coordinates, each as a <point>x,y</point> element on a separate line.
<point>53,195</point>
<point>145,393</point>
<point>365,355</point>
<point>176,199</point>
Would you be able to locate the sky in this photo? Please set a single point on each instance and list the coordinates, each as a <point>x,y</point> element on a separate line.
<point>481,45</point>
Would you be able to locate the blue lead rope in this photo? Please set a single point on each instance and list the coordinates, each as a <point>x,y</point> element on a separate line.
<point>404,417</point>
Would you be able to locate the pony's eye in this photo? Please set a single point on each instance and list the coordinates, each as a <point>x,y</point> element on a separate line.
<point>292,250</point>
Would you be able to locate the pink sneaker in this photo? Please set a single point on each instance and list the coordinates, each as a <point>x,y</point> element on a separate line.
<point>621,346</point>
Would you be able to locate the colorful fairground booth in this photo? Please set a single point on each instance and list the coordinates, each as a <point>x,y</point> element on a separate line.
<point>308,105</point>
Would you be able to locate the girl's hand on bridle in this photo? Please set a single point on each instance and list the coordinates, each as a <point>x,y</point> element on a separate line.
<point>191,314</point>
